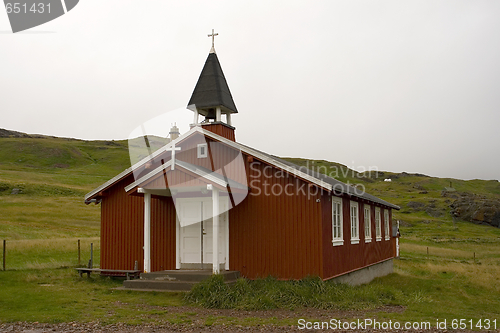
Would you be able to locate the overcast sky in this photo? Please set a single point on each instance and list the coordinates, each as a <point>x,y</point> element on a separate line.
<point>400,85</point>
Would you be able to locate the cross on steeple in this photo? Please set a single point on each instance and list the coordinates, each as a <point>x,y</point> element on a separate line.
<point>212,50</point>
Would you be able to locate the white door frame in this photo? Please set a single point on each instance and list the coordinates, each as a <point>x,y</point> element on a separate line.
<point>206,200</point>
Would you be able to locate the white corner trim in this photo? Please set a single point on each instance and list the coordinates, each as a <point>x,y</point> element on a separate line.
<point>147,233</point>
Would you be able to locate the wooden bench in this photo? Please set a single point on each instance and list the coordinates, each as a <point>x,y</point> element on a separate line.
<point>129,273</point>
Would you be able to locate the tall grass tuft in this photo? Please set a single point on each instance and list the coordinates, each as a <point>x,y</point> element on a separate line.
<point>270,293</point>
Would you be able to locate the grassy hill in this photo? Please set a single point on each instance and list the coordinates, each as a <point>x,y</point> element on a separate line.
<point>47,170</point>
<point>51,176</point>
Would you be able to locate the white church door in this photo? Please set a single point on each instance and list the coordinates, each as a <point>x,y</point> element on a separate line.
<point>195,239</point>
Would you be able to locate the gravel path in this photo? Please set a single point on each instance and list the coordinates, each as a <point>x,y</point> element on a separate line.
<point>198,320</point>
<point>97,328</point>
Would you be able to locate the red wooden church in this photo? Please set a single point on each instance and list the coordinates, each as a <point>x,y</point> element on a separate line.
<point>204,193</point>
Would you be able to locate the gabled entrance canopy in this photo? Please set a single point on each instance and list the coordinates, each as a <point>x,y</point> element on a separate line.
<point>174,177</point>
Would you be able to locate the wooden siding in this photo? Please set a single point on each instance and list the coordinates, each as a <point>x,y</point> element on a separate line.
<point>349,257</point>
<point>277,235</point>
<point>174,179</point>
<point>122,230</point>
<point>219,156</point>
<point>220,129</point>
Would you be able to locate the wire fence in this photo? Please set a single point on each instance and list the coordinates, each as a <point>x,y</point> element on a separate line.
<point>50,253</point>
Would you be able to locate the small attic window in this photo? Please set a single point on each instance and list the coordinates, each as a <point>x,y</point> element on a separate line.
<point>202,150</point>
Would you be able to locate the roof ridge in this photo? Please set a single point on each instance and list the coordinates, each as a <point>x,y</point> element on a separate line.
<point>319,179</point>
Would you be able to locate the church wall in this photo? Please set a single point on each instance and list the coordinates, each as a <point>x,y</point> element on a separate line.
<point>220,155</point>
<point>174,178</point>
<point>349,257</point>
<point>220,129</point>
<point>188,152</point>
<point>271,232</point>
<point>122,230</point>
<point>274,233</point>
<point>163,244</point>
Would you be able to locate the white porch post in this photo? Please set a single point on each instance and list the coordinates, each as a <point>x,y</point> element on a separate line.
<point>147,232</point>
<point>215,239</point>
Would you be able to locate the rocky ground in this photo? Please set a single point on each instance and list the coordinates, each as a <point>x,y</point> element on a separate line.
<point>475,208</point>
<point>95,327</point>
<point>198,322</point>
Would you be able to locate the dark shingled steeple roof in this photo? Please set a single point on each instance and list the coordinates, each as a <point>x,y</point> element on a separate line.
<point>212,89</point>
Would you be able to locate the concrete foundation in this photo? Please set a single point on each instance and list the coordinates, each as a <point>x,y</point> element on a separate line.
<point>367,274</point>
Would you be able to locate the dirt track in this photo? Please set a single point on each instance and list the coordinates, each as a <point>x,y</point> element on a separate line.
<point>198,322</point>
<point>93,327</point>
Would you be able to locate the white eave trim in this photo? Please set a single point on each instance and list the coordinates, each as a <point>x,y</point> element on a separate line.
<point>148,176</point>
<point>209,177</point>
<point>108,183</point>
<point>230,143</point>
<point>266,159</point>
<point>137,165</point>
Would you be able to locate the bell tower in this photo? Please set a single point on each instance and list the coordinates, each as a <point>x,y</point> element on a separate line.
<point>212,99</point>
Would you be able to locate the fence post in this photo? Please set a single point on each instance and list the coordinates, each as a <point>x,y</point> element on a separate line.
<point>91,255</point>
<point>79,253</point>
<point>4,251</point>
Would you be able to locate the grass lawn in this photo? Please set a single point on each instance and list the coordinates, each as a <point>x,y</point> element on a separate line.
<point>60,295</point>
<point>447,284</point>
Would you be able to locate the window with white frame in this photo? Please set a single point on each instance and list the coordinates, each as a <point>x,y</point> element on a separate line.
<point>338,238</point>
<point>386,224</point>
<point>202,150</point>
<point>368,223</point>
<point>378,228</point>
<point>354,223</point>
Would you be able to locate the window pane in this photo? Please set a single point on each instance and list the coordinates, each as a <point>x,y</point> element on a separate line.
<point>336,220</point>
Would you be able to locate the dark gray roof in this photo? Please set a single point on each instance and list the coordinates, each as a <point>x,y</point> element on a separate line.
<point>211,89</point>
<point>338,186</point>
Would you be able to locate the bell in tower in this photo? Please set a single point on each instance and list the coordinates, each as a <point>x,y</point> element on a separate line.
<point>211,115</point>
